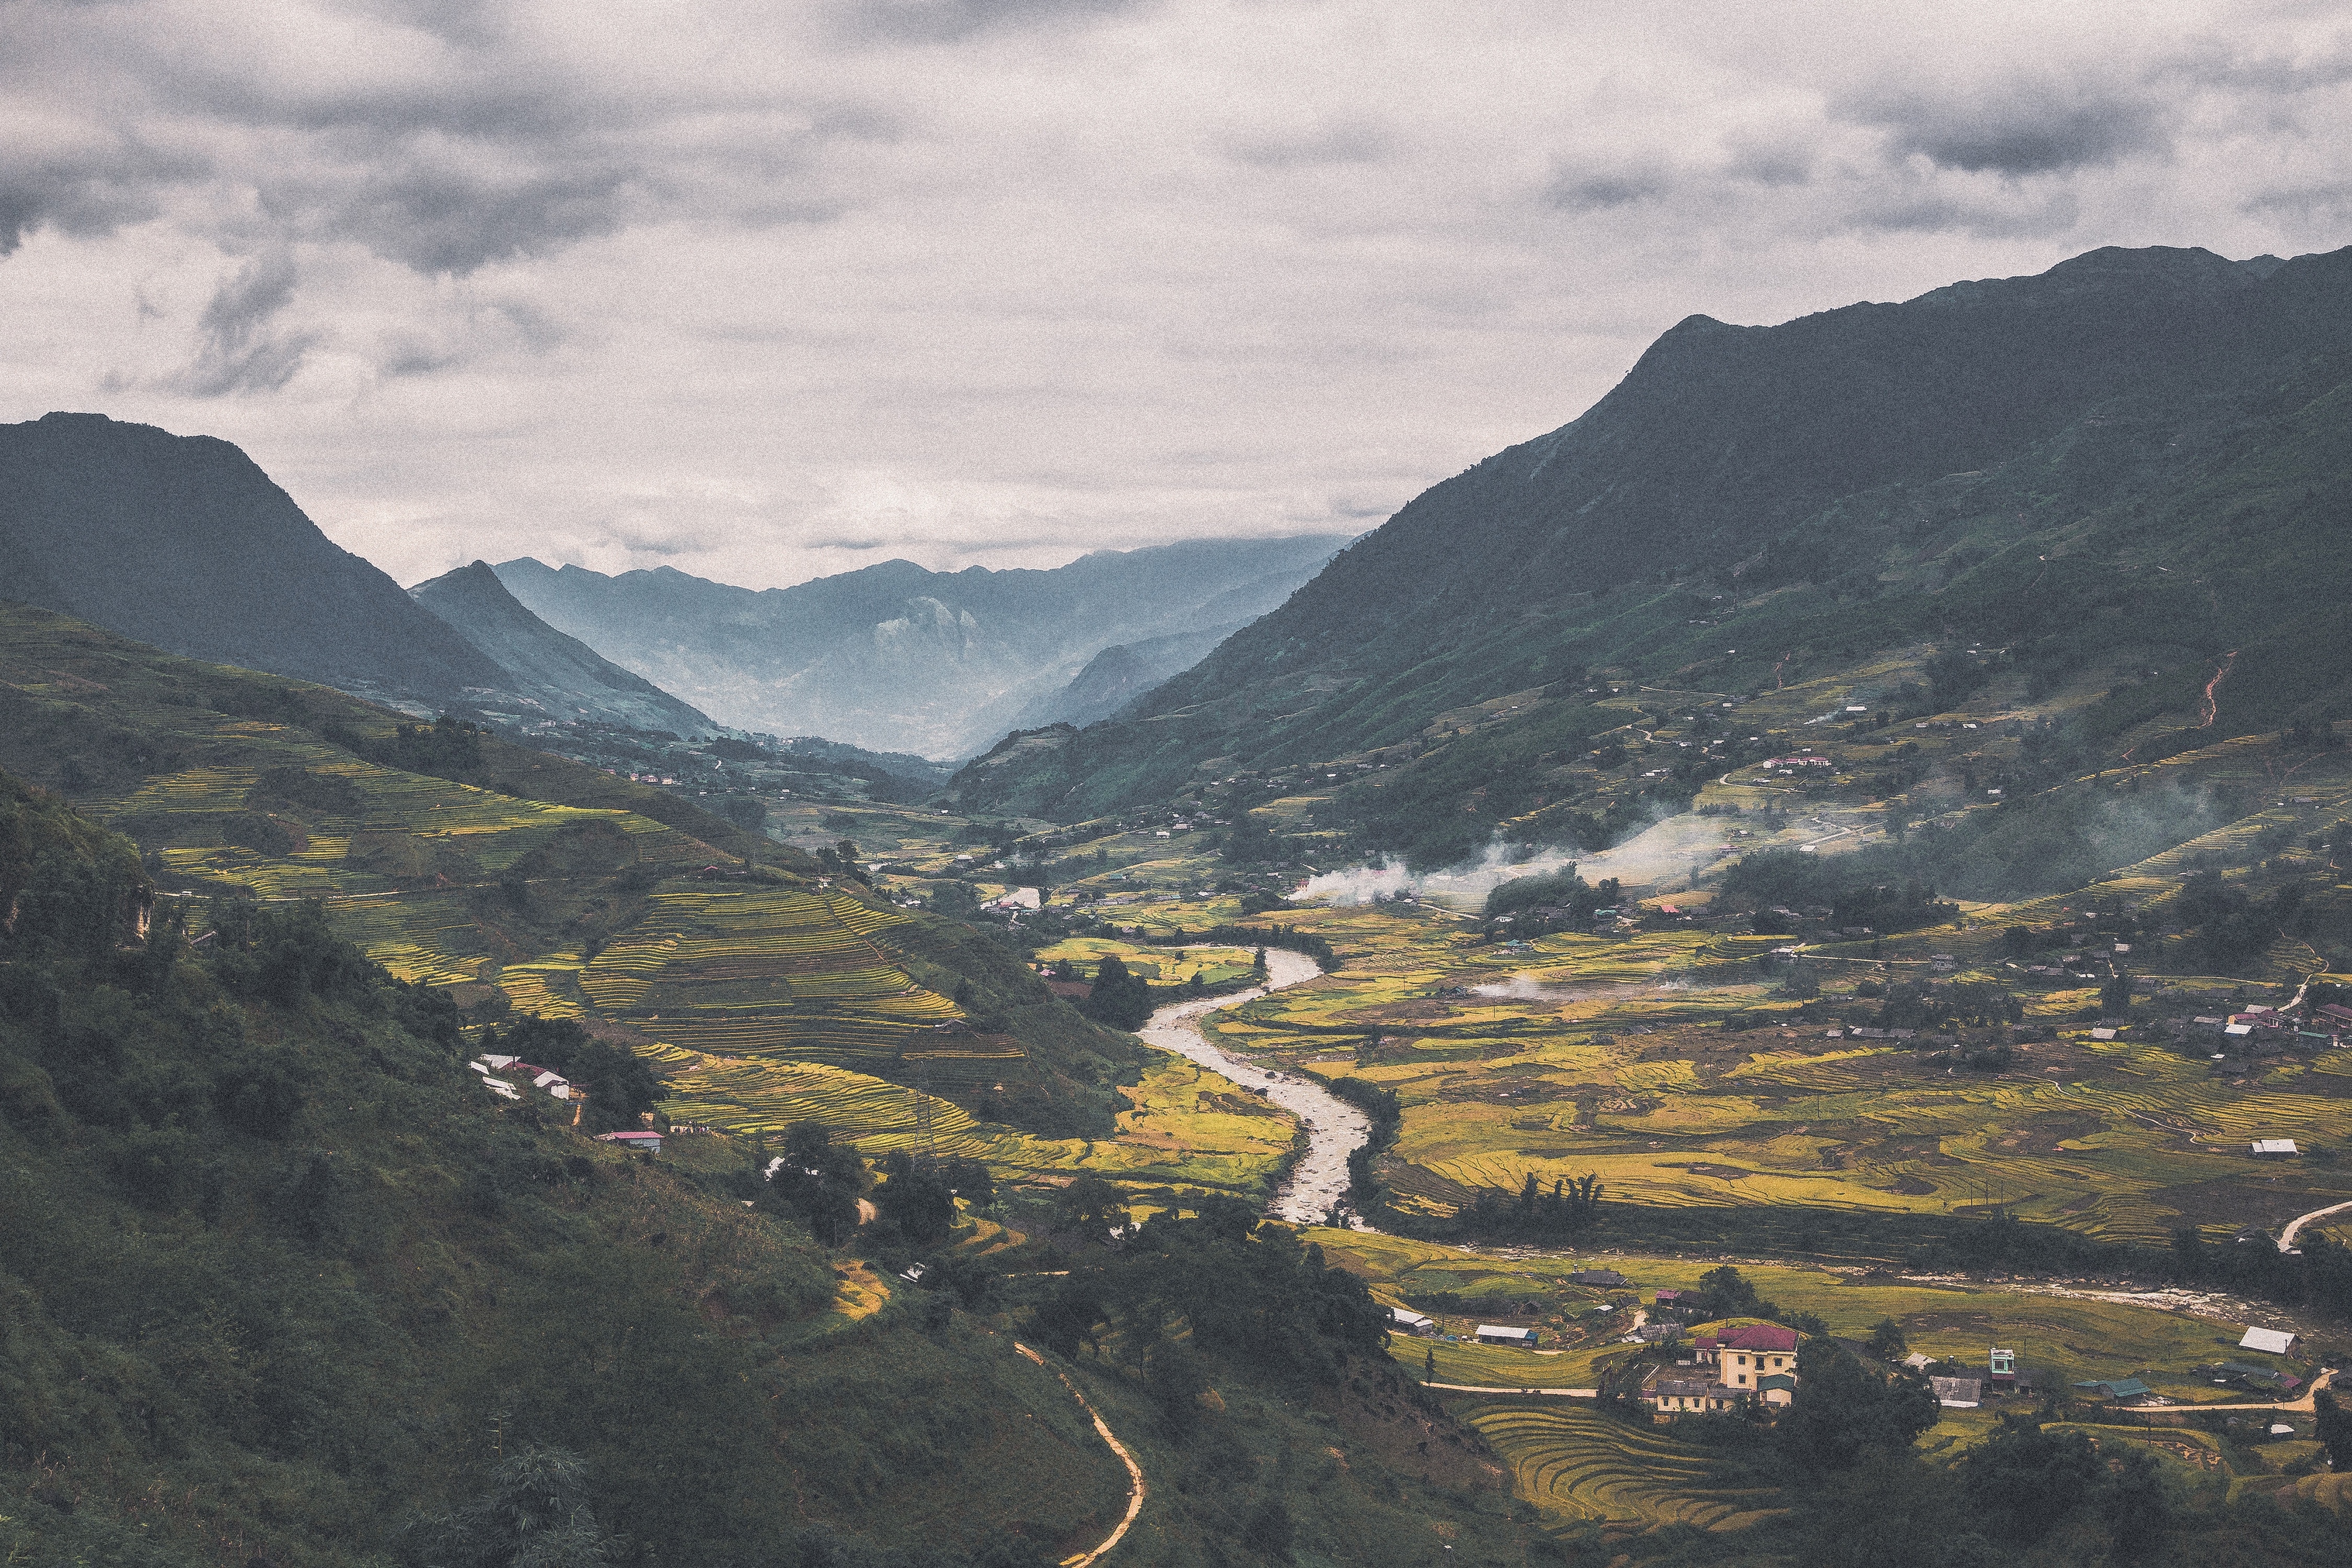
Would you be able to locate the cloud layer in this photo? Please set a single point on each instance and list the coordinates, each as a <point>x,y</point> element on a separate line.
<point>766,291</point>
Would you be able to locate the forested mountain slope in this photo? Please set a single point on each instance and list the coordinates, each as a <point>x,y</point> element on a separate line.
<point>457,858</point>
<point>554,674</point>
<point>182,540</point>
<point>898,657</point>
<point>2150,441</point>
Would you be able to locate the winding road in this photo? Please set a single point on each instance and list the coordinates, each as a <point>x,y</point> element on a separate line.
<point>1137,1491</point>
<point>2295,1227</point>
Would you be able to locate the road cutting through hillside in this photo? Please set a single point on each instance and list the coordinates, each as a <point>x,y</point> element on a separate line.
<point>1335,1129</point>
<point>1136,1489</point>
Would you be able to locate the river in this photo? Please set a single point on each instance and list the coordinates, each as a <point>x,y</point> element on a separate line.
<point>1334,1128</point>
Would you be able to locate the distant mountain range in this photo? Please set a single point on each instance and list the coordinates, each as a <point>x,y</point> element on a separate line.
<point>183,541</point>
<point>894,657</point>
<point>556,676</point>
<point>2137,448</point>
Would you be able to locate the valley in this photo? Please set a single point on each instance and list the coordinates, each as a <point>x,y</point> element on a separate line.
<point>1338,1081</point>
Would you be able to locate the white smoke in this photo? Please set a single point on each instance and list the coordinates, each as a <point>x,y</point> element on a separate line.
<point>1663,856</point>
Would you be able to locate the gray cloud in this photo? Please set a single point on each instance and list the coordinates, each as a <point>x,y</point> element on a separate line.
<point>1350,138</point>
<point>948,21</point>
<point>82,185</point>
<point>442,217</point>
<point>1600,192</point>
<point>235,351</point>
<point>2021,127</point>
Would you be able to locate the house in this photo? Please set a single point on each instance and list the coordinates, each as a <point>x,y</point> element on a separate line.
<point>1497,1334</point>
<point>1071,990</point>
<point>1918,1360</point>
<point>1957,1393</point>
<point>1668,1398</point>
<point>2275,1341</point>
<point>1607,1278</point>
<point>1743,1357</point>
<point>637,1142</point>
<point>2274,1148</point>
<point>1672,1301</point>
<point>2001,1368</point>
<point>1404,1320</point>
<point>2120,1390</point>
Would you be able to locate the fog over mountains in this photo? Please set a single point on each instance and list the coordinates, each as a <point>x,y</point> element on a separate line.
<point>898,657</point>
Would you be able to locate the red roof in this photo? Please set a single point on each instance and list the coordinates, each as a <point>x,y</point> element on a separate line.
<point>1761,1337</point>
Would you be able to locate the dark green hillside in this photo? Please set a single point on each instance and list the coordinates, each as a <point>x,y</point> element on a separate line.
<point>280,1283</point>
<point>184,542</point>
<point>144,735</point>
<point>2135,449</point>
<point>277,1275</point>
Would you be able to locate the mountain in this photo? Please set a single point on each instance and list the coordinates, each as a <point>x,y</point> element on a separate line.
<point>552,675</point>
<point>2058,464</point>
<point>182,540</point>
<point>897,658</point>
<point>1119,675</point>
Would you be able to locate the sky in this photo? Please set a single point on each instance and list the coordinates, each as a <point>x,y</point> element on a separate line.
<point>764,292</point>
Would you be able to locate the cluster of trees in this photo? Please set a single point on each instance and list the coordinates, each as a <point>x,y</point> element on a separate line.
<point>449,748</point>
<point>1568,1208</point>
<point>1855,895</point>
<point>1563,889</point>
<point>621,1089</point>
<point>1215,1282</point>
<point>1120,998</point>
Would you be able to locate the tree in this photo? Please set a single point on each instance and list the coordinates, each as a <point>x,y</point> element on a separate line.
<point>1172,1374</point>
<point>535,1515</point>
<point>1844,1411</point>
<point>915,1196</point>
<point>2335,1428</point>
<point>816,1181</point>
<point>1252,842</point>
<point>2115,996</point>
<point>1724,1293</point>
<point>2025,1480</point>
<point>1886,1341</point>
<point>1120,998</point>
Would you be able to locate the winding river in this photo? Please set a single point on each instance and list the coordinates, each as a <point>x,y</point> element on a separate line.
<point>1334,1128</point>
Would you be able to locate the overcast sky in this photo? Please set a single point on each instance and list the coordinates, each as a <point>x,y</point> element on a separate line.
<point>766,291</point>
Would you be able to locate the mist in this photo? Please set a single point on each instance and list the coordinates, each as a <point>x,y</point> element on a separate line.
<point>1664,856</point>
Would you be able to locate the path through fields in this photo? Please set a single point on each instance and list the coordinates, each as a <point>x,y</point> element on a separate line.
<point>1136,1490</point>
<point>2295,1225</point>
<point>1335,1129</point>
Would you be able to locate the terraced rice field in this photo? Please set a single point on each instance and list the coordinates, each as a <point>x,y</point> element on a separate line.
<point>1577,1054</point>
<point>755,971</point>
<point>1577,1464</point>
<point>2072,1337</point>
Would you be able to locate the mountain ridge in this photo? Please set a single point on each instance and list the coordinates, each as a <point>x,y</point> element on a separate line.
<point>549,671</point>
<point>894,657</point>
<point>1803,458</point>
